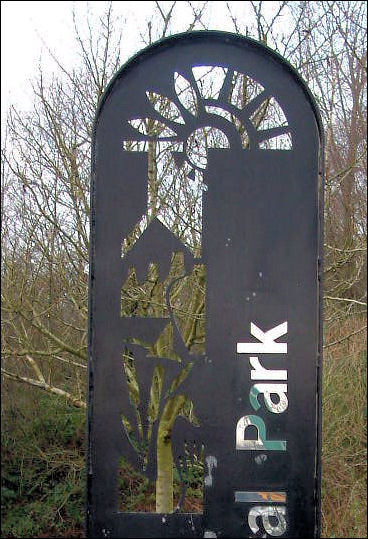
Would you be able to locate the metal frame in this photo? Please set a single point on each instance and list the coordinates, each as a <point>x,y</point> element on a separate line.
<point>271,244</point>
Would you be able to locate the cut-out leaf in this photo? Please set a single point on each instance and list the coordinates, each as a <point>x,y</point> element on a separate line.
<point>186,94</point>
<point>209,80</point>
<point>164,106</point>
<point>152,128</point>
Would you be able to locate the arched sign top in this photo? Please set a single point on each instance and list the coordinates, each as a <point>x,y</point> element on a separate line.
<point>225,39</point>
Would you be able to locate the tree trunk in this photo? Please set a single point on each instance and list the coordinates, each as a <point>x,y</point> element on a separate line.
<point>165,464</point>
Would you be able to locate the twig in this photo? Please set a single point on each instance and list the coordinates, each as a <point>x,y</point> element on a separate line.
<point>345,338</point>
<point>46,387</point>
<point>347,300</point>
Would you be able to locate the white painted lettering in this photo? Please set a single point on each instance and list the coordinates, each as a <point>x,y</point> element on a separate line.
<point>260,373</point>
<point>267,344</point>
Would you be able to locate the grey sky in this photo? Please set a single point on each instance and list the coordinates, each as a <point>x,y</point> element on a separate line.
<point>27,27</point>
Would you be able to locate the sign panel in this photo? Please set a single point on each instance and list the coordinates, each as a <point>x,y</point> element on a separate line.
<point>205,296</point>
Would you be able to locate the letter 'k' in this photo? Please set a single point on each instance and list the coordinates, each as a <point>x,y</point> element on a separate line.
<point>267,344</point>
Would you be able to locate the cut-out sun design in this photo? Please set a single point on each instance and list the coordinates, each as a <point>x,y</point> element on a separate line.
<point>217,108</point>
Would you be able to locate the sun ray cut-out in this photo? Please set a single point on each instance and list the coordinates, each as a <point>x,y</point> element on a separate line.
<point>243,90</point>
<point>209,80</point>
<point>180,158</point>
<point>281,142</point>
<point>268,115</point>
<point>164,106</point>
<point>186,94</point>
<point>152,128</point>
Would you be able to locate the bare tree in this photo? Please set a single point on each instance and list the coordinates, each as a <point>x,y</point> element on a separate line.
<point>326,43</point>
<point>45,220</point>
<point>45,193</point>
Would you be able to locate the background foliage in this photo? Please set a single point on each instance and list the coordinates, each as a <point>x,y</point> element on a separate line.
<point>44,259</point>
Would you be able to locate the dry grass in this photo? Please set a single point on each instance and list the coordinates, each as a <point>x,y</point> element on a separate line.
<point>344,464</point>
<point>344,457</point>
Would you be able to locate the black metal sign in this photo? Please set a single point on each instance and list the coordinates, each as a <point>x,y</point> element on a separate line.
<point>205,292</point>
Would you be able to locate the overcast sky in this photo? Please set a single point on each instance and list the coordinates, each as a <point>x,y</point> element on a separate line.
<point>28,27</point>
